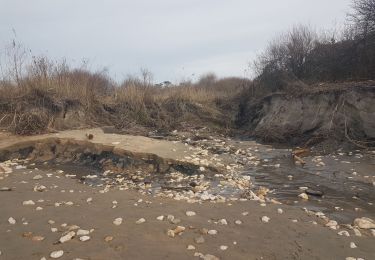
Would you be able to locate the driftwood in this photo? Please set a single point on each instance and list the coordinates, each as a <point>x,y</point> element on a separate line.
<point>298,159</point>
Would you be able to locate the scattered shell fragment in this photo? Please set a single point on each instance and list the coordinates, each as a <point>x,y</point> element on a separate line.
<point>67,237</point>
<point>12,221</point>
<point>140,221</point>
<point>84,238</point>
<point>56,254</point>
<point>28,203</point>
<point>190,213</point>
<point>265,219</point>
<point>117,221</point>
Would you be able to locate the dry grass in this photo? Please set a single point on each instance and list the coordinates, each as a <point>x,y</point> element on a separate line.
<point>48,95</point>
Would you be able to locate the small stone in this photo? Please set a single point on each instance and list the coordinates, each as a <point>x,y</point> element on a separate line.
<point>265,219</point>
<point>37,177</point>
<point>51,222</point>
<point>54,230</point>
<point>117,221</point>
<point>37,238</point>
<point>67,237</point>
<point>209,257</point>
<point>280,211</point>
<point>223,248</point>
<point>170,233</point>
<point>140,221</point>
<point>190,213</point>
<point>170,217</point>
<point>84,238</point>
<point>160,218</point>
<point>199,240</point>
<point>178,230</point>
<point>28,203</point>
<point>373,232</point>
<point>332,224</point>
<point>108,238</point>
<point>83,232</point>
<point>40,188</point>
<point>238,222</point>
<point>344,233</point>
<point>11,221</point>
<point>176,221</point>
<point>245,213</point>
<point>212,232</point>
<point>5,189</point>
<point>190,247</point>
<point>353,245</point>
<point>89,200</point>
<point>364,223</point>
<point>38,208</point>
<point>303,196</point>
<point>357,232</point>
<point>223,221</point>
<point>56,254</point>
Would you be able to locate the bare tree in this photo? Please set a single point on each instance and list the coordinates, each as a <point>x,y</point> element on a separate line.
<point>288,52</point>
<point>364,15</point>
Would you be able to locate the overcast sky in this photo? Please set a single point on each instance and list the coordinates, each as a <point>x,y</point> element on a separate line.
<point>174,39</point>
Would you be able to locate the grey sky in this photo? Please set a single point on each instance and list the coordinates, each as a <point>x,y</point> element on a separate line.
<point>172,38</point>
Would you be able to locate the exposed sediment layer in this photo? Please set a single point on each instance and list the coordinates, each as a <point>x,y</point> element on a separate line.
<point>347,113</point>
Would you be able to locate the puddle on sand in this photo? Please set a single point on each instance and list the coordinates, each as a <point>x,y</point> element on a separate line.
<point>346,181</point>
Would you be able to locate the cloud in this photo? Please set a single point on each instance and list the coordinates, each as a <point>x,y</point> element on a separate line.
<point>162,35</point>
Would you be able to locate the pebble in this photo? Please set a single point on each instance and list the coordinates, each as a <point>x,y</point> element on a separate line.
<point>364,223</point>
<point>54,230</point>
<point>223,248</point>
<point>209,257</point>
<point>11,221</point>
<point>190,213</point>
<point>40,188</point>
<point>190,247</point>
<point>238,222</point>
<point>37,177</point>
<point>170,233</point>
<point>108,238</point>
<point>357,232</point>
<point>84,238</point>
<point>67,237</point>
<point>37,238</point>
<point>39,208</point>
<point>28,203</point>
<point>223,221</point>
<point>332,224</point>
<point>140,221</point>
<point>245,213</point>
<point>82,232</point>
<point>280,211</point>
<point>353,245</point>
<point>265,219</point>
<point>344,233</point>
<point>89,200</point>
<point>117,221</point>
<point>212,232</point>
<point>303,196</point>
<point>56,254</point>
<point>199,240</point>
<point>160,218</point>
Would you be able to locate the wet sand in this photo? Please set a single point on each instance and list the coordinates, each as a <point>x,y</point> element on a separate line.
<point>280,238</point>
